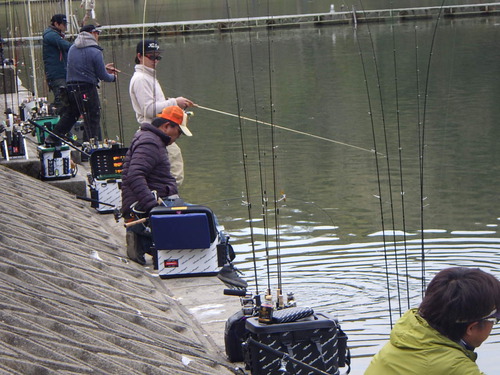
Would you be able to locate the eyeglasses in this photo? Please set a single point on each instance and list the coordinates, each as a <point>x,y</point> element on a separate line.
<point>489,318</point>
<point>492,319</point>
<point>153,57</point>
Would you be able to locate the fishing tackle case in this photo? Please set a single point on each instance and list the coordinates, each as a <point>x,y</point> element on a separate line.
<point>56,162</point>
<point>187,241</point>
<point>48,123</point>
<point>105,182</point>
<point>314,345</point>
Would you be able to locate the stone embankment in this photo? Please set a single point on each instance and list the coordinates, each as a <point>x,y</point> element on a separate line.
<point>71,302</point>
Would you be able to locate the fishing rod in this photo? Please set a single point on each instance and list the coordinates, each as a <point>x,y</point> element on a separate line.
<point>4,78</point>
<point>379,185</point>
<point>273,158</point>
<point>64,140</point>
<point>117,89</point>
<point>270,124</point>
<point>387,159</point>
<point>244,157</point>
<point>400,154</point>
<point>422,142</point>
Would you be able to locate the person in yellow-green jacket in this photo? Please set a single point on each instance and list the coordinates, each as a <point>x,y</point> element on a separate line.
<point>457,314</point>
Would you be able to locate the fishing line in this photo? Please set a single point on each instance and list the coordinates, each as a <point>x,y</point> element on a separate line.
<point>244,156</point>
<point>363,65</point>
<point>239,116</point>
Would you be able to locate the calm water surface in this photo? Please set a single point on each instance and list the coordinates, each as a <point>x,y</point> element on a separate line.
<point>340,84</point>
<point>330,225</point>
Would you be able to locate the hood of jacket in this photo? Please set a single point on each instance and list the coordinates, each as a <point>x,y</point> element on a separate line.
<point>85,39</point>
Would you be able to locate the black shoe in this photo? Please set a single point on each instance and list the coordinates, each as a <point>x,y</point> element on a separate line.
<point>228,274</point>
<point>52,141</point>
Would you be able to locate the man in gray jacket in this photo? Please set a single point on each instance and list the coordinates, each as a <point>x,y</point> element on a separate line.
<point>86,69</point>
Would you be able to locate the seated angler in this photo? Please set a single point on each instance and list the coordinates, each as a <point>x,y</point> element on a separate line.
<point>147,169</point>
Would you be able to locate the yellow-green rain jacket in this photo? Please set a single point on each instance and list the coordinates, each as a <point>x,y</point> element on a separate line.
<point>415,348</point>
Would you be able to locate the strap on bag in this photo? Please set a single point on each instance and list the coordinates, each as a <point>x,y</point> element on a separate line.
<point>284,356</point>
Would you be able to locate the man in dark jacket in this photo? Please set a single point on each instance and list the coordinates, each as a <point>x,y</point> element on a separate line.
<point>55,57</point>
<point>86,69</point>
<point>147,169</point>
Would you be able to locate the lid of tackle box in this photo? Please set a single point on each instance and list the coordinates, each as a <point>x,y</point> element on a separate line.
<point>107,163</point>
<point>316,321</point>
<point>44,149</point>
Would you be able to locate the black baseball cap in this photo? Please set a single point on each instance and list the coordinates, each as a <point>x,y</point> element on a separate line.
<point>148,45</point>
<point>59,18</point>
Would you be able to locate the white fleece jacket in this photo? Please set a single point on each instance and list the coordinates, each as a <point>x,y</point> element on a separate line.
<point>148,100</point>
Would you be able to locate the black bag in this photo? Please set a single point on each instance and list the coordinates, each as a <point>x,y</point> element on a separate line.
<point>315,345</point>
<point>234,335</point>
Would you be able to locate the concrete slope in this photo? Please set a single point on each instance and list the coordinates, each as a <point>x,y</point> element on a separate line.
<point>71,304</point>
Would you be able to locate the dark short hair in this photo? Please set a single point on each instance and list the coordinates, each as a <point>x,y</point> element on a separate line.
<point>158,121</point>
<point>458,296</point>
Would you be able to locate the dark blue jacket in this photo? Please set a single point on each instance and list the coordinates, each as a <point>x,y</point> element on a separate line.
<point>146,168</point>
<point>55,53</point>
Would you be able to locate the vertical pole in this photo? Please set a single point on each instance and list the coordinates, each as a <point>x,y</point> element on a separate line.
<point>32,50</point>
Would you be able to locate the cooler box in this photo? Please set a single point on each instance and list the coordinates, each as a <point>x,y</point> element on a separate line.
<point>186,240</point>
<point>49,123</point>
<point>107,195</point>
<point>56,162</point>
<point>106,166</point>
<point>316,341</point>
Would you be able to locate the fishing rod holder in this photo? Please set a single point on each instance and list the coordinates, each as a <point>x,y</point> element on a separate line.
<point>13,143</point>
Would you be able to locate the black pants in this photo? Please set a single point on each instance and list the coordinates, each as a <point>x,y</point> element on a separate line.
<point>82,99</point>
<point>57,86</point>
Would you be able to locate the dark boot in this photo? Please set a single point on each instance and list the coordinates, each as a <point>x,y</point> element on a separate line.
<point>228,274</point>
<point>133,249</point>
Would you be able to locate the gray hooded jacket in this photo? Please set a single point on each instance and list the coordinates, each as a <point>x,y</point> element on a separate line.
<point>86,61</point>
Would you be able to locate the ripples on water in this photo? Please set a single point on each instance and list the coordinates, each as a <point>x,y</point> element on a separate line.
<point>348,279</point>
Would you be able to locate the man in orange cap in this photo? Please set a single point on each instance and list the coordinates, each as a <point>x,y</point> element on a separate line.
<point>147,169</point>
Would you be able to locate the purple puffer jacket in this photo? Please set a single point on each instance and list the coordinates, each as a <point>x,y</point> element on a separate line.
<point>146,168</point>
